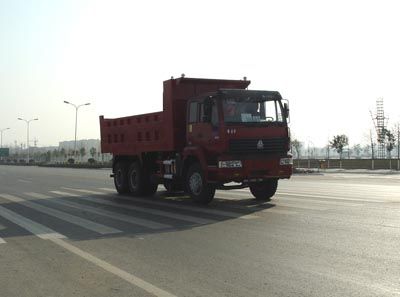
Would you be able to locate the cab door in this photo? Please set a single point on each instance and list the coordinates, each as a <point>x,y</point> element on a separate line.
<point>202,124</point>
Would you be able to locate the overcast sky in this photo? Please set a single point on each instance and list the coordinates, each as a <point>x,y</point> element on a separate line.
<point>331,59</point>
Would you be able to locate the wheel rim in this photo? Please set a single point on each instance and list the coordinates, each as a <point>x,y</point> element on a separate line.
<point>133,178</point>
<point>196,183</point>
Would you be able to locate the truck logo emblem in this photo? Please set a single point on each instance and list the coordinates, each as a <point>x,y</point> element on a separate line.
<point>260,144</point>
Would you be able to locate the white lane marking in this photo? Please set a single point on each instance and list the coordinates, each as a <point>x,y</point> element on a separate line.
<point>81,222</point>
<point>162,213</point>
<point>37,195</point>
<point>114,215</point>
<point>107,189</point>
<point>65,194</point>
<point>24,181</point>
<point>33,227</point>
<point>309,207</point>
<point>83,191</point>
<point>2,240</point>
<point>132,279</point>
<point>307,200</point>
<point>327,197</point>
<point>280,211</point>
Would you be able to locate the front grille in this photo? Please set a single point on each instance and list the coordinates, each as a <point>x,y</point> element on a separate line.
<point>265,146</point>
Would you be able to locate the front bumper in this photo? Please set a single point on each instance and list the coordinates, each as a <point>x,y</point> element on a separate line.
<point>252,169</point>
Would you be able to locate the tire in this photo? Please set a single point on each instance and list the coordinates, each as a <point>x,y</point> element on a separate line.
<point>121,177</point>
<point>263,191</point>
<point>197,187</point>
<point>139,182</point>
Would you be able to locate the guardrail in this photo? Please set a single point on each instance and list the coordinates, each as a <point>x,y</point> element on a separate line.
<point>370,164</point>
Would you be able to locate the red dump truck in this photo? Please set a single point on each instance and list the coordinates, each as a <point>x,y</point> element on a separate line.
<point>211,132</point>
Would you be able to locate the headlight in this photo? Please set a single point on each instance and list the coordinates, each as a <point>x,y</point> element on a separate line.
<point>286,161</point>
<point>230,164</point>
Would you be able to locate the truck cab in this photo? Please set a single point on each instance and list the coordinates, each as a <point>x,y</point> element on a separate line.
<point>241,136</point>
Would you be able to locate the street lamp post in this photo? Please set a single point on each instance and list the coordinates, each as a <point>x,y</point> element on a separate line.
<point>27,133</point>
<point>76,120</point>
<point>1,132</point>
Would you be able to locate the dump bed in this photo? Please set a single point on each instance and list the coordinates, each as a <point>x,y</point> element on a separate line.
<point>159,131</point>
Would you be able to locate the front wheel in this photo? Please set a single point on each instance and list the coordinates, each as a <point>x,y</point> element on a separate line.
<point>264,190</point>
<point>139,181</point>
<point>197,187</point>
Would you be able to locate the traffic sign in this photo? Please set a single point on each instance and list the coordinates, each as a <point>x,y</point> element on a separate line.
<point>4,152</point>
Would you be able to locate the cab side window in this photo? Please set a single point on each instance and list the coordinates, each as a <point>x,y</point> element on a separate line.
<point>193,112</point>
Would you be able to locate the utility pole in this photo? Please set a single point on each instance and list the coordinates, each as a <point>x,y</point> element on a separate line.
<point>1,132</point>
<point>372,150</point>
<point>398,146</point>
<point>76,121</point>
<point>27,133</point>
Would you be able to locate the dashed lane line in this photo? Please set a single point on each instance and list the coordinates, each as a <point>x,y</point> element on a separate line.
<point>81,222</point>
<point>132,279</point>
<point>114,215</point>
<point>57,238</point>
<point>37,229</point>
<point>83,191</point>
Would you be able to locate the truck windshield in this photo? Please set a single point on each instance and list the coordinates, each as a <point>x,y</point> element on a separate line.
<point>252,110</point>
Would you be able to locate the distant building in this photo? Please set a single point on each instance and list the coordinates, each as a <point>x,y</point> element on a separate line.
<point>86,143</point>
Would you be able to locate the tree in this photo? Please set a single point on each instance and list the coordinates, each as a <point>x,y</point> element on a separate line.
<point>357,150</point>
<point>297,145</point>
<point>390,142</point>
<point>82,152</point>
<point>92,151</point>
<point>63,153</point>
<point>55,153</point>
<point>339,142</point>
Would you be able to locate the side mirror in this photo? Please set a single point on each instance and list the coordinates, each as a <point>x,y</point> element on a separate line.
<point>286,110</point>
<point>207,110</point>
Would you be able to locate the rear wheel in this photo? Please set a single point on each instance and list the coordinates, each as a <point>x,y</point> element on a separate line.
<point>264,190</point>
<point>139,182</point>
<point>197,187</point>
<point>135,179</point>
<point>121,177</point>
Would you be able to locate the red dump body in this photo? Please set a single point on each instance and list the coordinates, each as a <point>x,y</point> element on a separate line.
<point>159,131</point>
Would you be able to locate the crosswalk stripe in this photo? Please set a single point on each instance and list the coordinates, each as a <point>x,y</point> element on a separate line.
<point>37,229</point>
<point>162,213</point>
<point>37,195</point>
<point>65,194</point>
<point>114,215</point>
<point>107,189</point>
<point>84,191</point>
<point>95,227</point>
<point>199,209</point>
<point>2,240</point>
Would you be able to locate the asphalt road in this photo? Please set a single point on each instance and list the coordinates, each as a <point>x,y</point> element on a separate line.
<point>64,232</point>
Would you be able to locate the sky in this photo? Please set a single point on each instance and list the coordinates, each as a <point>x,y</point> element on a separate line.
<point>330,59</point>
